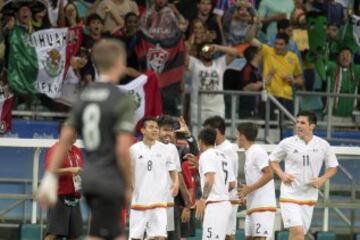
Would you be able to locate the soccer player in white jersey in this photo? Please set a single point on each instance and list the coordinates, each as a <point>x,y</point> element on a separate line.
<point>259,190</point>
<point>152,164</point>
<point>167,136</point>
<point>304,155</point>
<point>214,205</point>
<point>230,150</point>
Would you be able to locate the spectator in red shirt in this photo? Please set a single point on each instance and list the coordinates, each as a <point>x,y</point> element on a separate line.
<point>64,219</point>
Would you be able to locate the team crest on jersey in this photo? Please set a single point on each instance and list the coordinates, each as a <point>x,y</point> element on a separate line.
<point>3,126</point>
<point>157,58</point>
<point>137,98</point>
<point>53,63</point>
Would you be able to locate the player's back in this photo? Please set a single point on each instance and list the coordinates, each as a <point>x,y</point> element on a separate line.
<point>101,113</point>
<point>214,161</point>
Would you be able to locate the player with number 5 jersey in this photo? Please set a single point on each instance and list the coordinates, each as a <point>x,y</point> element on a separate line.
<point>103,117</point>
<point>214,206</point>
<point>152,164</point>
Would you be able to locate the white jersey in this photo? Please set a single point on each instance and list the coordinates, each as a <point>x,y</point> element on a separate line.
<point>304,162</point>
<point>172,150</point>
<point>207,78</point>
<point>263,199</point>
<point>151,170</point>
<point>214,161</point>
<point>230,151</point>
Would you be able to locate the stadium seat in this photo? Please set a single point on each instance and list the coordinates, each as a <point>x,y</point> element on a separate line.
<point>325,236</point>
<point>30,232</point>
<point>240,235</point>
<point>281,235</point>
<point>356,236</point>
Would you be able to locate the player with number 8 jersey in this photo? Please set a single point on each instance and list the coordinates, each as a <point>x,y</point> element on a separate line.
<point>152,165</point>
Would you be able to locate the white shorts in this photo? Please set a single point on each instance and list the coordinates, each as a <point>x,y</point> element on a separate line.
<point>216,220</point>
<point>170,219</point>
<point>152,221</point>
<point>296,215</point>
<point>231,229</point>
<point>260,224</point>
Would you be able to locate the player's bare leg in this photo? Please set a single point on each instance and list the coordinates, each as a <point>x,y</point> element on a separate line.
<point>50,237</point>
<point>230,237</point>
<point>297,233</point>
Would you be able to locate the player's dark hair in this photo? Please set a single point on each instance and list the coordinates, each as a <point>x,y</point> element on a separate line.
<point>283,24</point>
<point>283,36</point>
<point>310,115</point>
<point>166,120</point>
<point>250,53</point>
<point>249,130</point>
<point>216,122</point>
<point>146,119</point>
<point>129,15</point>
<point>207,136</point>
<point>93,17</point>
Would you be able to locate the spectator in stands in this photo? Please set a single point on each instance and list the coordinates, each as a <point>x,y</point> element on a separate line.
<point>205,15</point>
<point>333,46</point>
<point>207,75</point>
<point>198,34</point>
<point>95,25</point>
<point>69,16</point>
<point>131,38</point>
<point>64,219</point>
<point>248,79</point>
<point>284,26</point>
<point>335,12</point>
<point>54,8</point>
<point>114,11</point>
<point>342,77</point>
<point>40,19</point>
<point>162,21</point>
<point>284,66</point>
<point>236,24</point>
<point>24,17</point>
<point>271,11</point>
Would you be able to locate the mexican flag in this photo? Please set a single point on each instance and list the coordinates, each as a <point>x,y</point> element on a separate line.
<point>38,62</point>
<point>6,106</point>
<point>350,34</point>
<point>146,93</point>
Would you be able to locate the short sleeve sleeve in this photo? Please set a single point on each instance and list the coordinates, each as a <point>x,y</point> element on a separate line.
<point>330,158</point>
<point>279,153</point>
<point>265,50</point>
<point>124,113</point>
<point>170,164</point>
<point>176,158</point>
<point>192,61</point>
<point>262,160</point>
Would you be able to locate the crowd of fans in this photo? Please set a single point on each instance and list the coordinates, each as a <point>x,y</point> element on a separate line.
<point>249,45</point>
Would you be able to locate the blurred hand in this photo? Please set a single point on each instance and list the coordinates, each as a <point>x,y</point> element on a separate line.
<point>289,79</point>
<point>193,161</point>
<point>244,190</point>
<point>47,193</point>
<point>185,215</point>
<point>317,182</point>
<point>287,178</point>
<point>280,16</point>
<point>200,209</point>
<point>242,201</point>
<point>183,127</point>
<point>76,170</point>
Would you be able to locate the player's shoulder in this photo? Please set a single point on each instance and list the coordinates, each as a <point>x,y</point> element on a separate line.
<point>137,146</point>
<point>289,140</point>
<point>321,141</point>
<point>257,149</point>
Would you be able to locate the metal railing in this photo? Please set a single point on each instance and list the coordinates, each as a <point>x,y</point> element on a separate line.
<point>329,110</point>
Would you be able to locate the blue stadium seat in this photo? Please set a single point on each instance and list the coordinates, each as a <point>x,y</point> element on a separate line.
<point>240,235</point>
<point>281,235</point>
<point>30,232</point>
<point>325,236</point>
<point>356,236</point>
